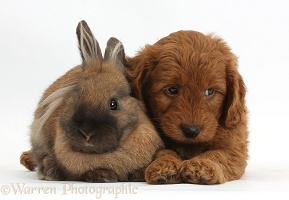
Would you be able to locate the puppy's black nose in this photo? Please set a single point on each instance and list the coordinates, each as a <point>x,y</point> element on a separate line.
<point>190,131</point>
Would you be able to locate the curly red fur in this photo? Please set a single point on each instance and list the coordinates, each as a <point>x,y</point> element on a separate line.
<point>193,62</point>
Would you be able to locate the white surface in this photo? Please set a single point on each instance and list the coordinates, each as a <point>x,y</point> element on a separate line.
<point>38,44</point>
<point>259,181</point>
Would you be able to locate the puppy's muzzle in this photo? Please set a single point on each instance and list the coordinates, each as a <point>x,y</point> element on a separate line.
<point>190,131</point>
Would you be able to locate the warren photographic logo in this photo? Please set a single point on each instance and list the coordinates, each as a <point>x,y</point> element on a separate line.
<point>68,189</point>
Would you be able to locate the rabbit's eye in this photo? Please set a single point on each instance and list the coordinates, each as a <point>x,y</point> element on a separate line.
<point>113,104</point>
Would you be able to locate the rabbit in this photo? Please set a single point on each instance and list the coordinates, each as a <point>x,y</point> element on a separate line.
<point>87,127</point>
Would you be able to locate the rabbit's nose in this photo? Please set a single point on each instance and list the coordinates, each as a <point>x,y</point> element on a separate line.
<point>88,135</point>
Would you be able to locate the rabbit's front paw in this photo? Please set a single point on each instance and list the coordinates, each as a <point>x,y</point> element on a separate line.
<point>48,170</point>
<point>101,176</point>
<point>137,175</point>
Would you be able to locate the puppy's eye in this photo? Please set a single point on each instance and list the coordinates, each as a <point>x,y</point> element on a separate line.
<point>209,92</point>
<point>113,104</point>
<point>172,90</point>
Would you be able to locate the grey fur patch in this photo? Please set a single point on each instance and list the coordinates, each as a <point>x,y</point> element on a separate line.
<point>53,101</point>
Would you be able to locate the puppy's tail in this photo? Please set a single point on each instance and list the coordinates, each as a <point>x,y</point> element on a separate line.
<point>28,161</point>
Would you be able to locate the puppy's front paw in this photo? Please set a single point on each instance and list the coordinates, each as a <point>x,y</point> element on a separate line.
<point>100,176</point>
<point>201,171</point>
<point>163,171</point>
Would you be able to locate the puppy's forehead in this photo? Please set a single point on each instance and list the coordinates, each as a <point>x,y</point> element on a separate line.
<point>187,46</point>
<point>202,75</point>
<point>188,56</point>
<point>195,40</point>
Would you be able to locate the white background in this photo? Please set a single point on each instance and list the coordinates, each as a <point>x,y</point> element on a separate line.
<point>38,44</point>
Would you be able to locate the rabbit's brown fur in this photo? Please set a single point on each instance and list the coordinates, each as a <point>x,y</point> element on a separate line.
<point>87,126</point>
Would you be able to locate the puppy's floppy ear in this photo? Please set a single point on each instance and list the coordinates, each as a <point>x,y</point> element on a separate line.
<point>234,104</point>
<point>139,70</point>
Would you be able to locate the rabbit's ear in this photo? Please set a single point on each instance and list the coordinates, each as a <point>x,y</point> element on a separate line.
<point>114,51</point>
<point>88,46</point>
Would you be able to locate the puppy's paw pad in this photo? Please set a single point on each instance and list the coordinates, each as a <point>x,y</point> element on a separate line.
<point>201,172</point>
<point>162,172</point>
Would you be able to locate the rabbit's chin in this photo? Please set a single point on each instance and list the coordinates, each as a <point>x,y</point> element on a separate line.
<point>87,147</point>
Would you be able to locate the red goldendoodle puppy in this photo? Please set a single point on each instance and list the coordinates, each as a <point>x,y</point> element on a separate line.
<point>196,97</point>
